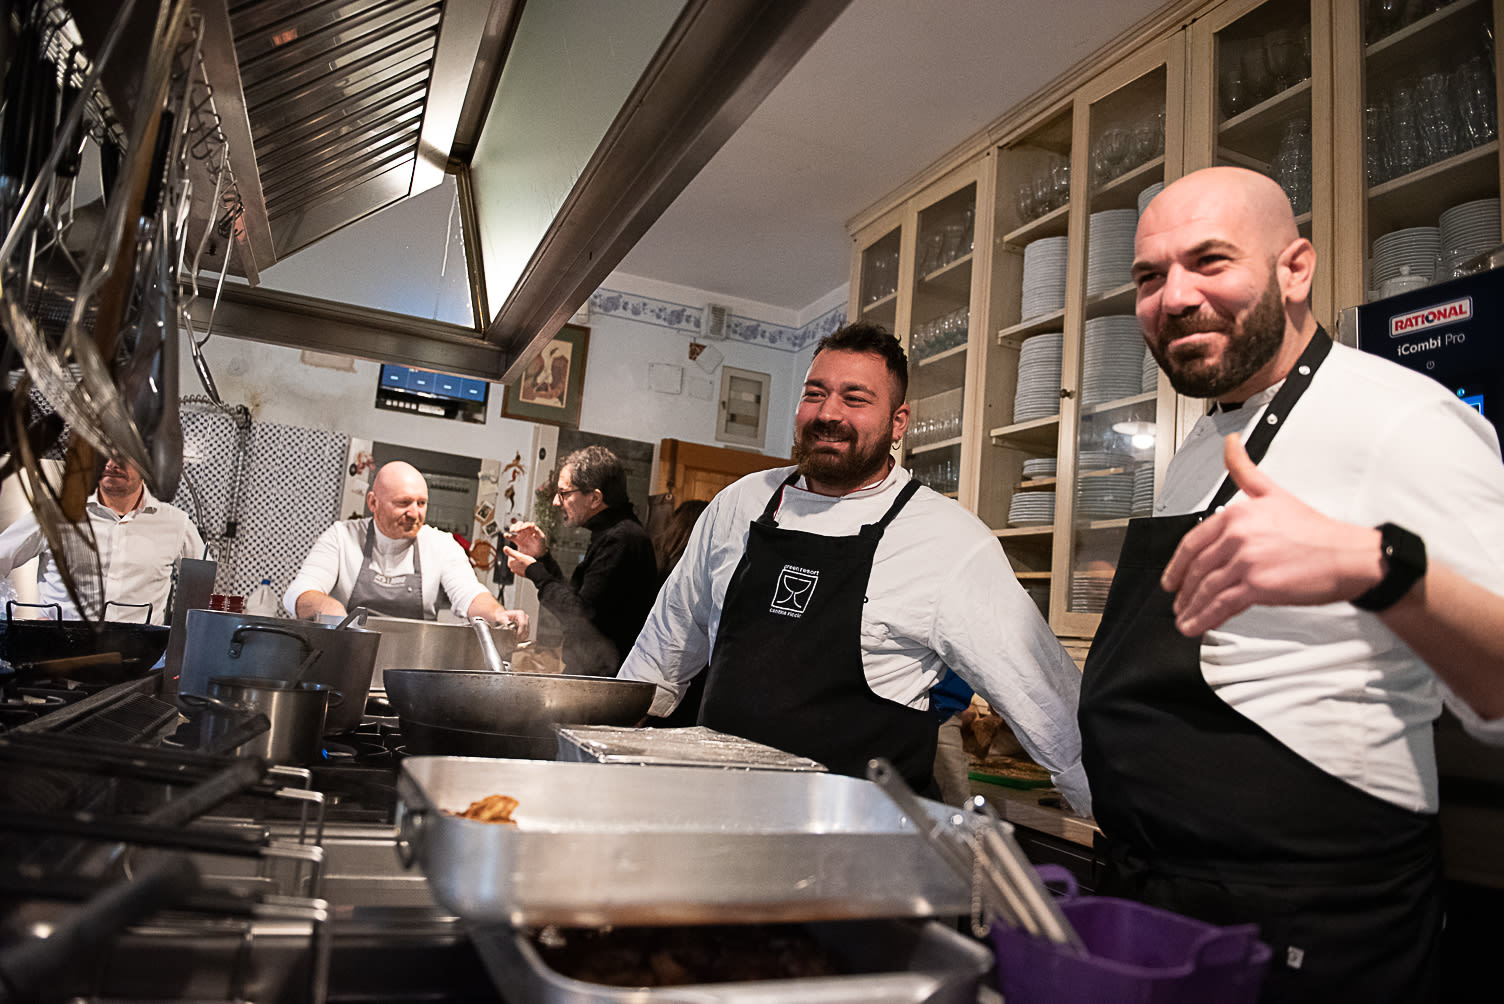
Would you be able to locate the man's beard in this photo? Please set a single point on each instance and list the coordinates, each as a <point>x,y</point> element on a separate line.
<point>1247,351</point>
<point>844,473</point>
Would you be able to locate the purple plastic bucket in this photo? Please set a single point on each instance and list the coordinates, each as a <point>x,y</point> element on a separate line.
<point>1136,954</point>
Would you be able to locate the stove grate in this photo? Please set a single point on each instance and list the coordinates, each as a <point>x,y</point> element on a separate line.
<point>129,721</point>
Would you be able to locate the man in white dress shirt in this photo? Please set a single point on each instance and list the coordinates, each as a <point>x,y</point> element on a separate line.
<point>1324,569</point>
<point>139,540</point>
<point>392,564</point>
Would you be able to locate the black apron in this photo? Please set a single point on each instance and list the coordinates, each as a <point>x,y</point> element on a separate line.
<point>787,668</point>
<point>1208,815</point>
<point>389,595</point>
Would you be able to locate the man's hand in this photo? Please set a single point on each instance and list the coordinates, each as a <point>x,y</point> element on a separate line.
<point>1269,549</point>
<point>486,607</point>
<point>516,619</point>
<point>312,604</point>
<point>517,561</point>
<point>528,539</point>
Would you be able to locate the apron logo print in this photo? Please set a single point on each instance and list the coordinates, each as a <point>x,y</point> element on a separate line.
<point>795,586</point>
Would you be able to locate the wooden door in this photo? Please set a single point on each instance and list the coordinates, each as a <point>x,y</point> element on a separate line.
<point>694,471</point>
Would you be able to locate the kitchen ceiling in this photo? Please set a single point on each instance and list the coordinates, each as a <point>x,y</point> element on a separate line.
<point>889,88</point>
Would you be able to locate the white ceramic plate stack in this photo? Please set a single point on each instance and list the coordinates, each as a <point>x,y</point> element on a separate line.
<point>1470,229</point>
<point>1147,195</point>
<point>1038,392</point>
<point>1143,489</point>
<point>1031,508</point>
<point>1149,378</point>
<point>1044,277</point>
<point>1105,496</point>
<point>1413,250</point>
<point>1109,249</point>
<point>1101,460</point>
<point>1039,467</point>
<point>1112,365</point>
<point>1089,593</point>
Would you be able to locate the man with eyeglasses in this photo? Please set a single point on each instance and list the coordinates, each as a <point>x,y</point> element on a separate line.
<point>393,564</point>
<point>602,604</point>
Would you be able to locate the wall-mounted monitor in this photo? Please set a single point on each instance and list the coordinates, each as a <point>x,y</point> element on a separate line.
<point>427,392</point>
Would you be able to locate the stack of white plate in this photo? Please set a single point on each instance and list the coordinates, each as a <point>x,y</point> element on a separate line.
<point>1038,392</point>
<point>1105,496</point>
<point>1031,508</point>
<point>1143,489</point>
<point>1112,365</point>
<point>1044,277</point>
<point>1039,467</point>
<point>1413,250</point>
<point>1148,194</point>
<point>1470,229</point>
<point>1101,460</point>
<point>1109,249</point>
<point>1150,376</point>
<point>1089,593</point>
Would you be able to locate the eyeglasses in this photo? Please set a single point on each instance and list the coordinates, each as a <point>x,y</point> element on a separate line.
<point>564,493</point>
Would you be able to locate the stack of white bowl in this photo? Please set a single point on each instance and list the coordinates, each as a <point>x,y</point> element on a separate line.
<point>1148,194</point>
<point>1032,508</point>
<point>1112,364</point>
<point>1149,379</point>
<point>1039,467</point>
<point>1089,593</point>
<point>1143,489</point>
<point>1044,277</point>
<point>1413,250</point>
<point>1470,229</point>
<point>1109,249</point>
<point>1105,496</point>
<point>1038,391</point>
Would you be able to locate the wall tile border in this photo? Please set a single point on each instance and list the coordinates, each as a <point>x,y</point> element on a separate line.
<point>686,318</point>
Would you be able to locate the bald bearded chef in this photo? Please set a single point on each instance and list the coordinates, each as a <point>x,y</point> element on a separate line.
<point>392,564</point>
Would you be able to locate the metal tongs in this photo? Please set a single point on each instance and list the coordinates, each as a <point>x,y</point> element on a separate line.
<point>1004,884</point>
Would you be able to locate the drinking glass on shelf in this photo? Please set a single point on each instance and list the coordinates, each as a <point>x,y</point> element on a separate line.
<point>1376,149</point>
<point>1283,54</point>
<point>1436,120</point>
<point>1405,153</point>
<point>1234,87</point>
<point>1025,202</point>
<point>1473,90</point>
<point>1256,75</point>
<point>1060,183</point>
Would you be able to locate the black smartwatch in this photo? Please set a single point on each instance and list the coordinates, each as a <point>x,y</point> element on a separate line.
<point>1404,561</point>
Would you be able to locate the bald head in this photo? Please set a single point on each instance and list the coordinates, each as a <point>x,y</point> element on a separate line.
<point>1224,283</point>
<point>398,499</point>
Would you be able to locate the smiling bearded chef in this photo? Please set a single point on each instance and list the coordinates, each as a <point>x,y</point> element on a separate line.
<point>1257,708</point>
<point>829,599</point>
<point>392,564</point>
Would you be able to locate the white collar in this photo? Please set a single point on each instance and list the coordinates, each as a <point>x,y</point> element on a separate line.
<point>876,488</point>
<point>391,545</point>
<point>147,504</point>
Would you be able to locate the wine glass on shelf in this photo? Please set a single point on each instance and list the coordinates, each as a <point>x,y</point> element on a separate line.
<point>1283,53</point>
<point>1230,79</point>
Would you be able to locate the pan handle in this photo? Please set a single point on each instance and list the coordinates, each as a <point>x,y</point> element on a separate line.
<point>57,608</point>
<point>237,640</point>
<point>121,603</point>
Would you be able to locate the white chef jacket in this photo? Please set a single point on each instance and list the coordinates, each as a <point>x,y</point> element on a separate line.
<point>1369,442</point>
<point>940,594</point>
<point>137,555</point>
<point>333,564</point>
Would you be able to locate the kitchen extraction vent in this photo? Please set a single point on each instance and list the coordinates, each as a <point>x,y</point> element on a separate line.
<point>715,322</point>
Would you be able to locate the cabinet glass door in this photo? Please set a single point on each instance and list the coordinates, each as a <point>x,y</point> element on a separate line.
<point>1113,384</point>
<point>877,298</point>
<point>1430,140</point>
<point>1022,382</point>
<point>938,336</point>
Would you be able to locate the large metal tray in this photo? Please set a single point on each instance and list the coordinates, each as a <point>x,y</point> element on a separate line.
<point>688,747</point>
<point>887,962</point>
<point>600,844</point>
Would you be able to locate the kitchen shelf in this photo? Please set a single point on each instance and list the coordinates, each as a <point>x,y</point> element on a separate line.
<point>1051,224</point>
<point>1039,435</point>
<point>953,277</point>
<point>1015,334</point>
<point>1118,300</point>
<point>1147,397</point>
<point>1446,31</point>
<point>1033,576</point>
<point>1420,197</point>
<point>944,444</point>
<point>1122,192</point>
<point>1257,131</point>
<point>1023,532</point>
<point>943,369</point>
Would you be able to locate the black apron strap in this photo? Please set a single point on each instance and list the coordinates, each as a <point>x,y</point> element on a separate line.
<point>907,492</point>
<point>1274,416</point>
<point>770,510</point>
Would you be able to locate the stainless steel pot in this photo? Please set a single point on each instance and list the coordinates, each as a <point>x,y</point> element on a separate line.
<point>414,644</point>
<point>480,713</point>
<point>295,711</point>
<point>272,648</point>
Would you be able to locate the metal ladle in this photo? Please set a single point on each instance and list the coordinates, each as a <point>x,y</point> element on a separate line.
<point>488,646</point>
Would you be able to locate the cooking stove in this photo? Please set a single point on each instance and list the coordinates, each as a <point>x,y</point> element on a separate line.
<point>381,937</point>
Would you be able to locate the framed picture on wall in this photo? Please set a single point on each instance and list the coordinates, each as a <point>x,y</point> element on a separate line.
<point>551,386</point>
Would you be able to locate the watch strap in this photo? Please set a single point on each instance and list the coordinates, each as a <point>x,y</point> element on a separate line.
<point>1404,561</point>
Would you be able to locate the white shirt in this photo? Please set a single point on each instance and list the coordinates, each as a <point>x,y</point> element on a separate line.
<point>137,554</point>
<point>940,594</point>
<point>333,564</point>
<point>1369,442</point>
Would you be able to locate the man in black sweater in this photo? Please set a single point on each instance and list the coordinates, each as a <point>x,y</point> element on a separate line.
<point>604,602</point>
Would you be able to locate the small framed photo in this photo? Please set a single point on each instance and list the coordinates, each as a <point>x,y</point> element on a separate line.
<point>552,384</point>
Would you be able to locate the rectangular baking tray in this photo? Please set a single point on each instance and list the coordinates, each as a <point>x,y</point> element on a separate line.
<point>887,962</point>
<point>688,747</point>
<point>597,844</point>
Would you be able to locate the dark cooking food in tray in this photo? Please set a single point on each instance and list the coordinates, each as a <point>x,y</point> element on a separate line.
<point>680,956</point>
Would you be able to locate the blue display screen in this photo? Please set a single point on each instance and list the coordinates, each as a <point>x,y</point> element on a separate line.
<point>1474,401</point>
<point>434,384</point>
